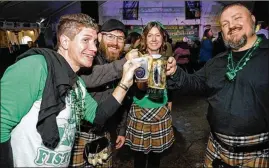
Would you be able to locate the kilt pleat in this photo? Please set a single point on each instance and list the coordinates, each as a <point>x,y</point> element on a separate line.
<point>256,159</point>
<point>149,129</point>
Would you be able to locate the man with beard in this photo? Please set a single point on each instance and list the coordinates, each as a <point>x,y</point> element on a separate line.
<point>111,40</point>
<point>236,83</point>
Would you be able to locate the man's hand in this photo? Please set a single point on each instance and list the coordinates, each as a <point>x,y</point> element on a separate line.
<point>134,53</point>
<point>171,66</point>
<point>128,72</point>
<point>120,141</point>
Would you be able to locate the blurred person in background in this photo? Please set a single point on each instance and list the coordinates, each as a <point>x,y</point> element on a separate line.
<point>132,41</point>
<point>206,49</point>
<point>263,30</point>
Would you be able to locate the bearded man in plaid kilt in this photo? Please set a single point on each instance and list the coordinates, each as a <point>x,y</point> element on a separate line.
<point>237,87</point>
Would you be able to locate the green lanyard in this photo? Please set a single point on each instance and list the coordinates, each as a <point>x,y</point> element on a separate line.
<point>232,69</point>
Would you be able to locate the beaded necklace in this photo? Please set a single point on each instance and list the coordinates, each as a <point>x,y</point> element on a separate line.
<point>78,104</point>
<point>231,69</point>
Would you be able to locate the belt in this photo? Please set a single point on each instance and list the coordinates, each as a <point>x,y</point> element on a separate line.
<point>240,149</point>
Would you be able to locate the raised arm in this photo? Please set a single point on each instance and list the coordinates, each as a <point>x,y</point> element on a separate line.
<point>180,80</point>
<point>108,107</point>
<point>101,74</point>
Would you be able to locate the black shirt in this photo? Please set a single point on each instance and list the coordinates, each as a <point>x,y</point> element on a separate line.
<point>238,108</point>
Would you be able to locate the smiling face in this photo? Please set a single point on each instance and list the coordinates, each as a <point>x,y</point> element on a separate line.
<point>82,48</point>
<point>111,44</point>
<point>154,40</point>
<point>237,25</point>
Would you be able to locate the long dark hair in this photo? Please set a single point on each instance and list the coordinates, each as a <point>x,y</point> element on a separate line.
<point>148,27</point>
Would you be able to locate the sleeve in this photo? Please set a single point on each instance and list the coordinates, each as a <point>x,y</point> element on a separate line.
<point>20,88</point>
<point>188,83</point>
<point>96,113</point>
<point>102,74</point>
<point>123,123</point>
<point>99,114</point>
<point>170,95</point>
<point>124,110</point>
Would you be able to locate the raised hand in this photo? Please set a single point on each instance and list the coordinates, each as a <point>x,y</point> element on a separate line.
<point>171,66</point>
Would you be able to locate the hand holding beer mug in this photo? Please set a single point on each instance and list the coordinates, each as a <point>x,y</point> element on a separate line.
<point>153,72</point>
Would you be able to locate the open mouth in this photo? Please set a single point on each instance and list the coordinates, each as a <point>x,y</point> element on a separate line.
<point>89,57</point>
<point>235,31</point>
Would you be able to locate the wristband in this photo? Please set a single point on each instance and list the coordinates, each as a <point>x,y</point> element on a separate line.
<point>124,87</point>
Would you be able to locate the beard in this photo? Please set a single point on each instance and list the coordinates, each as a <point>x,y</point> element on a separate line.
<point>110,56</point>
<point>236,44</point>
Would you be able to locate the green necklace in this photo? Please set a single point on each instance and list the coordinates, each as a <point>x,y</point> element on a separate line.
<point>231,69</point>
<point>78,104</point>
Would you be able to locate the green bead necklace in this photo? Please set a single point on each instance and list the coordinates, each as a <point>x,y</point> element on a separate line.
<point>231,69</point>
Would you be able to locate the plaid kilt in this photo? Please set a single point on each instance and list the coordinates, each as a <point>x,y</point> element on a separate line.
<point>257,159</point>
<point>81,140</point>
<point>149,129</point>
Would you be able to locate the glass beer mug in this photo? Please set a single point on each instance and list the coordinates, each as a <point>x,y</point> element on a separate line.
<point>157,77</point>
<point>142,73</point>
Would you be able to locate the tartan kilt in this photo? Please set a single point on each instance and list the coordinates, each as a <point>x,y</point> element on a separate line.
<point>149,129</point>
<point>81,140</point>
<point>257,159</point>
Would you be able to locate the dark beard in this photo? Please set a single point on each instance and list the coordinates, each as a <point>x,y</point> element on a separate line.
<point>236,45</point>
<point>110,57</point>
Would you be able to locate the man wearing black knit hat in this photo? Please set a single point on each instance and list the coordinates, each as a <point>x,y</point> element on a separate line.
<point>111,40</point>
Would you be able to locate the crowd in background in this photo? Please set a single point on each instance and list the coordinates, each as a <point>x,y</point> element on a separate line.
<point>190,55</point>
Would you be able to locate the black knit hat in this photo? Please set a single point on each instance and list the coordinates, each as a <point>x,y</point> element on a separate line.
<point>113,24</point>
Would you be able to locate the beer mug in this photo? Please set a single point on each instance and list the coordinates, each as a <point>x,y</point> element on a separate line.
<point>142,72</point>
<point>157,75</point>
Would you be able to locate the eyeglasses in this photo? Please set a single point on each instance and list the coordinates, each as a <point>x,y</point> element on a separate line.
<point>111,37</point>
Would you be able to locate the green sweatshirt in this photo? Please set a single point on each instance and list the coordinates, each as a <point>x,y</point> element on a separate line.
<point>21,94</point>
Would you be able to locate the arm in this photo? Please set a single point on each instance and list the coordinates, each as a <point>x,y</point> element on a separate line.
<point>21,86</point>
<point>99,114</point>
<point>170,99</point>
<point>102,74</point>
<point>195,83</point>
<point>124,110</point>
<point>122,125</point>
